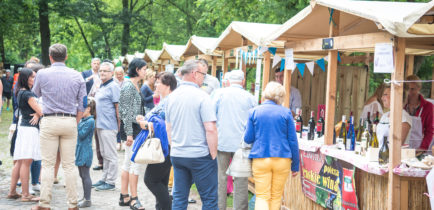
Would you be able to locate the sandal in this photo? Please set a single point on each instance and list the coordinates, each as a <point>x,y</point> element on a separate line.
<point>39,208</point>
<point>122,200</point>
<point>137,205</point>
<point>14,196</point>
<point>29,198</point>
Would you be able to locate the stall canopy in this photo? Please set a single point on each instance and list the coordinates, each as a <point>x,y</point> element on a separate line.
<point>197,45</point>
<point>254,33</point>
<point>403,19</point>
<point>172,53</point>
<point>151,56</point>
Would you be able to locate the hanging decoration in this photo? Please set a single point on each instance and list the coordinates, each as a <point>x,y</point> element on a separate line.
<point>310,67</point>
<point>301,67</point>
<point>282,64</point>
<point>276,60</point>
<point>321,63</point>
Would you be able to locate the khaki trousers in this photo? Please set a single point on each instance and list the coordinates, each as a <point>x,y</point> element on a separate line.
<point>58,133</point>
<point>270,175</point>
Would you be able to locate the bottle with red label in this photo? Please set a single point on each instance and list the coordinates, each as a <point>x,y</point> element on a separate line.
<point>311,124</point>
<point>320,125</point>
<point>299,123</point>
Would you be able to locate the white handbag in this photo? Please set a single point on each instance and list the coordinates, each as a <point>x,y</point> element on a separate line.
<point>241,165</point>
<point>150,152</point>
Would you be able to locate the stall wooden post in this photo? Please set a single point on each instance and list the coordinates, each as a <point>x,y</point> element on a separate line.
<point>432,84</point>
<point>287,84</point>
<point>214,66</point>
<point>266,72</point>
<point>331,83</point>
<point>160,67</point>
<point>225,63</point>
<point>409,65</point>
<point>394,185</point>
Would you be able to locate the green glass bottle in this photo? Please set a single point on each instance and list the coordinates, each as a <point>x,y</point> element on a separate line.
<point>383,155</point>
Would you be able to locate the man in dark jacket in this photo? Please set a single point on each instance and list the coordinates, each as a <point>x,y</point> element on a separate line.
<point>91,73</point>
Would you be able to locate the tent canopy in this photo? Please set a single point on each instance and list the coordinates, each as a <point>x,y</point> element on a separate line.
<point>200,45</point>
<point>152,55</point>
<point>255,33</point>
<point>362,17</point>
<point>171,52</point>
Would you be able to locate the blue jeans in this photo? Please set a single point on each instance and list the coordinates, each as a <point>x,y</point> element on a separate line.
<point>203,172</point>
<point>35,170</point>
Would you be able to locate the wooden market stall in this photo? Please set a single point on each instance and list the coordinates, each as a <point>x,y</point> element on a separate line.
<point>151,57</point>
<point>357,26</point>
<point>170,55</point>
<point>203,47</point>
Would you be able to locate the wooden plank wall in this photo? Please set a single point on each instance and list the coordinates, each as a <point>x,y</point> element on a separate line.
<point>351,90</point>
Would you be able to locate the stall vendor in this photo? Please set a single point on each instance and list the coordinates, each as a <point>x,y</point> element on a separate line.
<point>383,126</point>
<point>421,112</point>
<point>295,98</point>
<point>374,104</point>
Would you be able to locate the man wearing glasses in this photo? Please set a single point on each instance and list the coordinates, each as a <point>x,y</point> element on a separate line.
<point>107,124</point>
<point>210,83</point>
<point>191,129</point>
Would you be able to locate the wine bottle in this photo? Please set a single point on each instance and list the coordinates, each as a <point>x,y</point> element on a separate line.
<point>368,119</point>
<point>376,120</point>
<point>320,125</point>
<point>299,124</point>
<point>374,141</point>
<point>383,155</point>
<point>311,124</point>
<point>351,136</point>
<point>342,138</point>
<point>366,138</point>
<point>358,147</point>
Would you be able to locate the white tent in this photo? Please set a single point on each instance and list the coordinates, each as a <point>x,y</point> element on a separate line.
<point>200,45</point>
<point>152,55</point>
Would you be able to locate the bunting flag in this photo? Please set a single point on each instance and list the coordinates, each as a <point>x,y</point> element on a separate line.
<point>301,67</point>
<point>293,70</point>
<point>272,50</point>
<point>282,64</point>
<point>321,63</point>
<point>244,57</point>
<point>339,58</point>
<point>310,66</point>
<point>276,60</point>
<point>326,58</point>
<point>262,49</point>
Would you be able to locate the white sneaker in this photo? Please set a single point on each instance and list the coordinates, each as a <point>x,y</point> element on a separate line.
<point>36,187</point>
<point>31,192</point>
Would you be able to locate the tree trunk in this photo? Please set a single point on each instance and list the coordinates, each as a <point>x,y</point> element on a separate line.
<point>44,29</point>
<point>126,29</point>
<point>107,45</point>
<point>2,48</point>
<point>92,53</point>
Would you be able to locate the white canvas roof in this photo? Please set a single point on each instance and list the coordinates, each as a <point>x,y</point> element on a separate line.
<point>153,55</point>
<point>356,17</point>
<point>200,45</point>
<point>173,52</point>
<point>255,33</point>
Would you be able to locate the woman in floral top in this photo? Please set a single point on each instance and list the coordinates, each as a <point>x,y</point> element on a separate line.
<point>130,106</point>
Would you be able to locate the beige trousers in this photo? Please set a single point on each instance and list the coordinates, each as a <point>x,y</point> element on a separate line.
<point>58,133</point>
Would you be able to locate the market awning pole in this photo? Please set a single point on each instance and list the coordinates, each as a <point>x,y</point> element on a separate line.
<point>287,85</point>
<point>225,63</point>
<point>331,83</point>
<point>266,73</point>
<point>214,66</point>
<point>409,65</point>
<point>394,185</point>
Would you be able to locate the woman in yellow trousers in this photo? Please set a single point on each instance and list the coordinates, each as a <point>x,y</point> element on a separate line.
<point>274,153</point>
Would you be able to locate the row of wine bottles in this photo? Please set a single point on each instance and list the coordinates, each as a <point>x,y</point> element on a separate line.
<point>313,128</point>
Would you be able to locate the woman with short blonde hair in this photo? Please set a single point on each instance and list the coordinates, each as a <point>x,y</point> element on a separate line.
<point>271,131</point>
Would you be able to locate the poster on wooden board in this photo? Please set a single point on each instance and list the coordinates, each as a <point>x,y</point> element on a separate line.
<point>326,182</point>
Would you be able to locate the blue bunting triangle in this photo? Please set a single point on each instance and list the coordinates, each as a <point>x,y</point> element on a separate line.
<point>272,50</point>
<point>282,64</point>
<point>339,57</point>
<point>321,63</point>
<point>301,67</point>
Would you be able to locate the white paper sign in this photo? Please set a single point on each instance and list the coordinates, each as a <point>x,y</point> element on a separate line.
<point>383,58</point>
<point>289,59</point>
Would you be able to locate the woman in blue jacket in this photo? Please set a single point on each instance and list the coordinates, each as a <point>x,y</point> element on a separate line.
<point>83,151</point>
<point>271,130</point>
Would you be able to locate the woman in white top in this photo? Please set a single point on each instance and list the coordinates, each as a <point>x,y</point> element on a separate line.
<point>374,104</point>
<point>384,125</point>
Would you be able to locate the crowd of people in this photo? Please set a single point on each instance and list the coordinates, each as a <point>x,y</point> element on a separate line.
<point>60,111</point>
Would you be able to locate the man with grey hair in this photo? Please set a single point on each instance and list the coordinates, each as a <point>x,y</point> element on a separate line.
<point>191,128</point>
<point>107,125</point>
<point>62,89</point>
<point>232,106</point>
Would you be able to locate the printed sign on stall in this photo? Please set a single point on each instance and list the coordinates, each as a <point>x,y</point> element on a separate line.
<point>383,58</point>
<point>326,182</point>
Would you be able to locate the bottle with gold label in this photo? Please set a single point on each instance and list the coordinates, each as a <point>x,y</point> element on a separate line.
<point>374,140</point>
